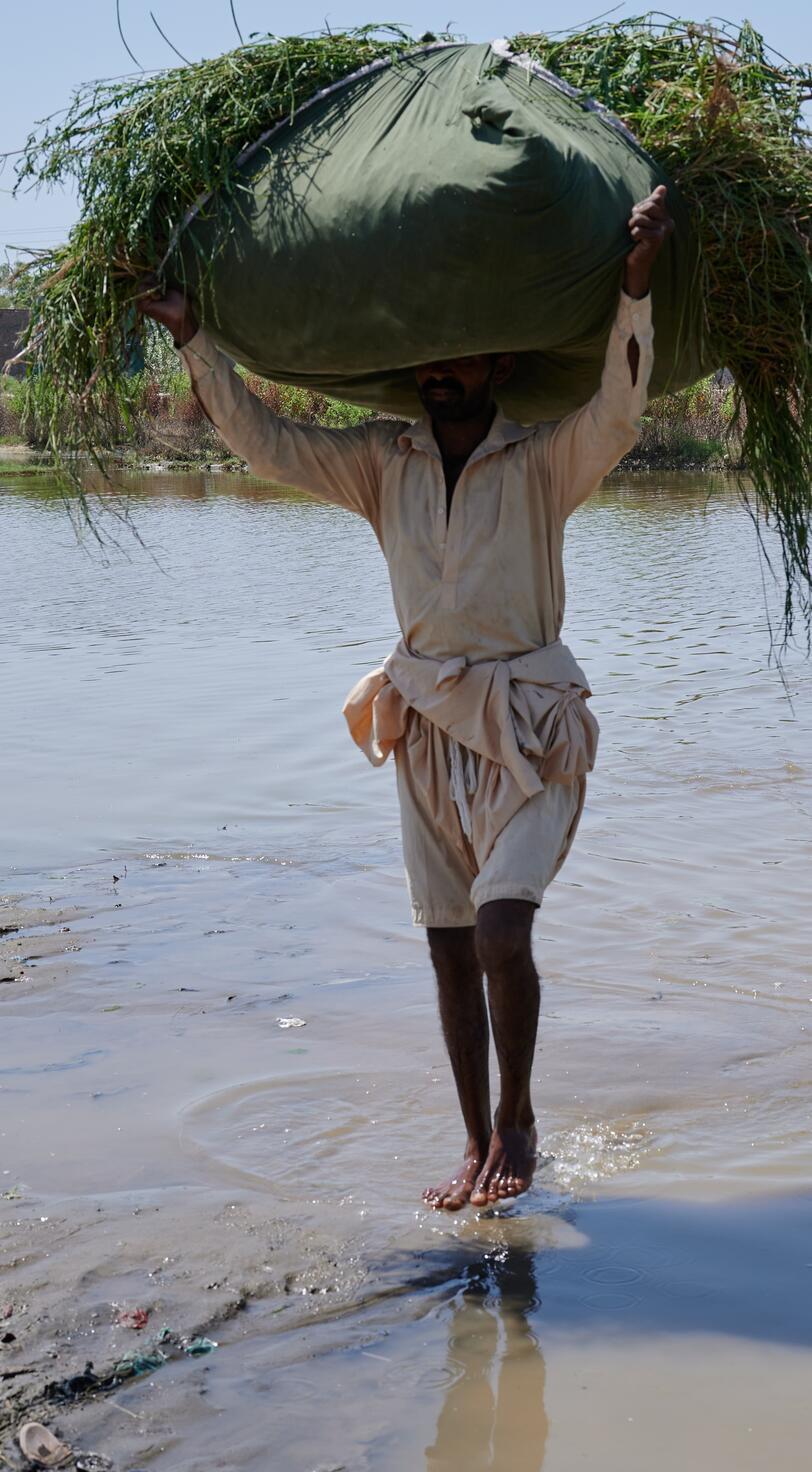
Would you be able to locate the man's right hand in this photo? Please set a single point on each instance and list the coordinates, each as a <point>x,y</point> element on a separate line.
<point>172,311</point>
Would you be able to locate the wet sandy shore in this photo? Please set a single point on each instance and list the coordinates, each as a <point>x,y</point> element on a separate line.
<point>167,1146</point>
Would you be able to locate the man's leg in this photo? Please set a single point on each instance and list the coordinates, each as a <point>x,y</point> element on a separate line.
<point>464,1020</point>
<point>502,942</point>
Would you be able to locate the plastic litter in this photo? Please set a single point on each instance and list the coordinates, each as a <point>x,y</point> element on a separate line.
<point>199,1346</point>
<point>132,1318</point>
<point>39,1445</point>
<point>93,1462</point>
<point>137,1364</point>
<point>74,1385</point>
<point>291,1022</point>
<point>129,1367</point>
<point>87,1381</point>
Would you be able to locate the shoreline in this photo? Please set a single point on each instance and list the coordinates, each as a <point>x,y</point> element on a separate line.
<point>22,459</point>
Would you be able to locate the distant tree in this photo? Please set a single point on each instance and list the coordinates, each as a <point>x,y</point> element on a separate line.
<point>6,289</point>
<point>19,280</point>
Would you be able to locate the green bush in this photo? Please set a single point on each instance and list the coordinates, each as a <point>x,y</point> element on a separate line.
<point>697,426</point>
<point>11,410</point>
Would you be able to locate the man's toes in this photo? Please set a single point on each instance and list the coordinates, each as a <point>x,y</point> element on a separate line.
<point>452,1196</point>
<point>479,1195</point>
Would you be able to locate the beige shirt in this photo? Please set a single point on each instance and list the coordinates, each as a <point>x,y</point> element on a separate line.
<point>486,581</point>
<point>475,591</point>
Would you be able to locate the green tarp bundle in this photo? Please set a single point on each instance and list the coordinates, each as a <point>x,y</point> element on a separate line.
<point>455,200</point>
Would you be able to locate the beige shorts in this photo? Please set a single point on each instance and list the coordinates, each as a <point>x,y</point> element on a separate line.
<point>446,888</point>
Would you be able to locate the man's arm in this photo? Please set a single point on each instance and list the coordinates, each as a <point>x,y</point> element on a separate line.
<point>585,446</point>
<point>337,465</point>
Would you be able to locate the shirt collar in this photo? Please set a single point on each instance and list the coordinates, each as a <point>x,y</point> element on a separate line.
<point>503,432</point>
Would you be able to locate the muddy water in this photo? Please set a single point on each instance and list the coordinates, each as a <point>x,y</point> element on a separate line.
<point>192,850</point>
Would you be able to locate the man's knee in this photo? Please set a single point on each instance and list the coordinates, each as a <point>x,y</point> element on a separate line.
<point>502,934</point>
<point>451,945</point>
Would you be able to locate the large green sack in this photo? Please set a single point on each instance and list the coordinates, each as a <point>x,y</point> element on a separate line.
<point>454,202</point>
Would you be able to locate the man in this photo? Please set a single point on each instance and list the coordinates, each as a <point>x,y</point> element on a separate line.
<point>482,704</point>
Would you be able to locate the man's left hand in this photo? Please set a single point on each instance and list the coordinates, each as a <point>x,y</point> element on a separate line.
<point>650,224</point>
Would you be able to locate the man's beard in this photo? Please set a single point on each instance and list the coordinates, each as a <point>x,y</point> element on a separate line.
<point>454,405</point>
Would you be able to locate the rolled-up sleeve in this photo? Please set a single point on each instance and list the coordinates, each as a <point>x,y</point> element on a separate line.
<point>337,465</point>
<point>584,447</point>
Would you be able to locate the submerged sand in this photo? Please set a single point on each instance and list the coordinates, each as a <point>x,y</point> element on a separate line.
<point>636,1303</point>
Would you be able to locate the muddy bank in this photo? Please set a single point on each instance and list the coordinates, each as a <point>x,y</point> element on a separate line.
<point>84,1274</point>
<point>169,1148</point>
<point>32,941</point>
<point>16,453</point>
<point>520,1338</point>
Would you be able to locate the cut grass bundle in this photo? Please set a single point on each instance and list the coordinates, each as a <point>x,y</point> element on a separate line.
<point>718,112</point>
<point>723,116</point>
<point>146,153</point>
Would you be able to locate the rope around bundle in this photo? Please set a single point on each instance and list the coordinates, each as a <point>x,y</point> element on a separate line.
<point>712,106</point>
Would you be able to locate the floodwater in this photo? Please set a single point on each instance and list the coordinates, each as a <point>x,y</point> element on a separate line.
<point>192,849</point>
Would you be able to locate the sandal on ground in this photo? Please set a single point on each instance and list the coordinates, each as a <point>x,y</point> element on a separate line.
<point>40,1445</point>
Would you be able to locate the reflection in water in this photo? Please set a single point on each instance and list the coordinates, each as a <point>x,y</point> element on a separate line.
<point>494,1407</point>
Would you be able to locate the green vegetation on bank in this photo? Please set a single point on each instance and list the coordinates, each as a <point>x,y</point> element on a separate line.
<point>694,428</point>
<point>688,429</point>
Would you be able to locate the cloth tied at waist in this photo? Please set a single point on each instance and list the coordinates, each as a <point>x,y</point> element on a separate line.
<point>525,719</point>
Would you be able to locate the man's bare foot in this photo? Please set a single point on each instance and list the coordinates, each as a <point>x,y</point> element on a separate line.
<point>509,1166</point>
<point>455,1194</point>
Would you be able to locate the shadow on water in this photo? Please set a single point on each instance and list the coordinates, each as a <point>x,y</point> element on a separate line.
<point>739,1268</point>
<point>620,1270</point>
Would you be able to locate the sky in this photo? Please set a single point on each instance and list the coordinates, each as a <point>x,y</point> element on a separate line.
<point>49,48</point>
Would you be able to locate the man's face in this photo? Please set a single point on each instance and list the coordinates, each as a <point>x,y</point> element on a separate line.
<point>455,389</point>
